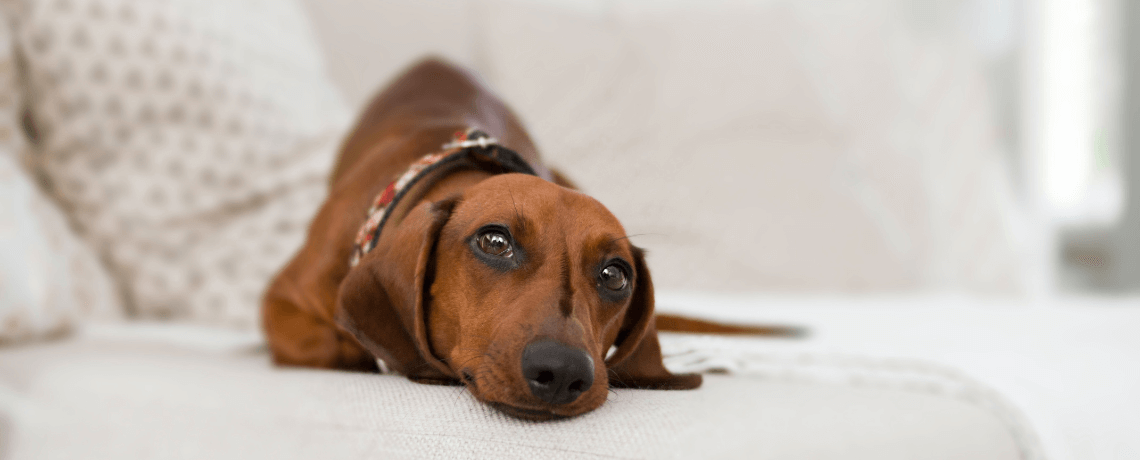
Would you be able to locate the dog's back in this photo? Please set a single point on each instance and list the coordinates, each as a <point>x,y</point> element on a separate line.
<point>420,110</point>
<point>415,115</point>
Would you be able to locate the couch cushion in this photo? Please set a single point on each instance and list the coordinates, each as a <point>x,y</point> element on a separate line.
<point>776,145</point>
<point>366,44</point>
<point>1066,365</point>
<point>129,399</point>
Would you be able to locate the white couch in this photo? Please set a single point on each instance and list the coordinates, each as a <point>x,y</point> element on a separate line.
<point>114,397</point>
<point>919,377</point>
<point>791,168</point>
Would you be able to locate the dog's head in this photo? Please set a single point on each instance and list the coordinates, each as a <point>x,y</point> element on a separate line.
<point>528,293</point>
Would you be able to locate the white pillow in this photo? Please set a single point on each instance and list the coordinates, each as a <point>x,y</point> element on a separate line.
<point>189,140</point>
<point>49,279</point>
<point>772,145</point>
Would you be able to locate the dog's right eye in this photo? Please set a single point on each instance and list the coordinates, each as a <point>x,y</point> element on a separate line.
<point>495,243</point>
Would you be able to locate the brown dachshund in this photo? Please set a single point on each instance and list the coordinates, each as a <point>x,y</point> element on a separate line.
<point>479,267</point>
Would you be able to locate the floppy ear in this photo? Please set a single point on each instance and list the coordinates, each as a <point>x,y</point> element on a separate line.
<point>382,300</point>
<point>637,361</point>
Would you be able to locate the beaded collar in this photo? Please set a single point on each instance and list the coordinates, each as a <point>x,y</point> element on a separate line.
<point>471,148</point>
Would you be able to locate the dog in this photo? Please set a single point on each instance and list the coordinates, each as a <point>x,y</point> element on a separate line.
<point>446,251</point>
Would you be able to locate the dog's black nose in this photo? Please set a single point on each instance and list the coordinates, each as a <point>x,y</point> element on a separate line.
<point>557,373</point>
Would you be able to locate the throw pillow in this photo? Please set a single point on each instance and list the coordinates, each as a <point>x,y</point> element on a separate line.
<point>188,140</point>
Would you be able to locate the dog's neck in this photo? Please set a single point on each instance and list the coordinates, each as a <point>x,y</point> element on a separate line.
<point>436,186</point>
<point>469,150</point>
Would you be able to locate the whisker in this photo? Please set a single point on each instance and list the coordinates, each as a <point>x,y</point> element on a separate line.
<point>518,215</point>
<point>459,393</point>
<point>631,236</point>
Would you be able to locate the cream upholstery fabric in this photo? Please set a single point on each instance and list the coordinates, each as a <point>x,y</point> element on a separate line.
<point>368,43</point>
<point>117,399</point>
<point>49,278</point>
<point>778,145</point>
<point>1065,364</point>
<point>189,141</point>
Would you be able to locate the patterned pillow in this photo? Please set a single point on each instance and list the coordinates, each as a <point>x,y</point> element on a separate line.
<point>189,141</point>
<point>49,279</point>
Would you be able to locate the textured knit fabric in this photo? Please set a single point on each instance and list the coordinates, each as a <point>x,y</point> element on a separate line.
<point>117,399</point>
<point>188,140</point>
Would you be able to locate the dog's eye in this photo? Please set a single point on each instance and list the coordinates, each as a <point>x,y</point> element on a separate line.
<point>495,243</point>
<point>613,278</point>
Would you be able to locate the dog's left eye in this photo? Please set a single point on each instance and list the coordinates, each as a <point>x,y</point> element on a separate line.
<point>495,243</point>
<point>613,278</point>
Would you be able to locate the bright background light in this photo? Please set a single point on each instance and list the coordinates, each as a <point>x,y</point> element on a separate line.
<point>1078,174</point>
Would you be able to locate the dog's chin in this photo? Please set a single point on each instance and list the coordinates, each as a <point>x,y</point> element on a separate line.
<point>519,407</point>
<point>533,415</point>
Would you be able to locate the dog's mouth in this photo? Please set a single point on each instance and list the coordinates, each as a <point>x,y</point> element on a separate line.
<point>534,415</point>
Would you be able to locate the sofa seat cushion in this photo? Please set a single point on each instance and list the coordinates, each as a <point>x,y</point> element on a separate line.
<point>113,398</point>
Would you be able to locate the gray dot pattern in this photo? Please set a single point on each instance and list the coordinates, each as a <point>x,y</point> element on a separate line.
<point>189,141</point>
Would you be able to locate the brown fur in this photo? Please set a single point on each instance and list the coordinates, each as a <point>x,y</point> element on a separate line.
<point>681,324</point>
<point>422,302</point>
